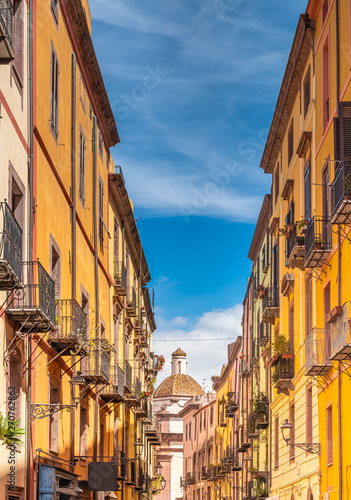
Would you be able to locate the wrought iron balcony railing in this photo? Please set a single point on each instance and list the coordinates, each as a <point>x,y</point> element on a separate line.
<point>10,250</point>
<point>131,301</point>
<point>142,410</point>
<point>295,249</point>
<point>341,195</point>
<point>255,353</point>
<point>6,30</point>
<point>122,469</point>
<point>96,367</point>
<point>270,303</point>
<point>34,305</point>
<point>317,352</point>
<point>131,473</point>
<point>114,390</point>
<point>120,275</point>
<point>264,334</point>
<point>317,241</point>
<point>128,376</point>
<point>190,478</point>
<point>71,328</point>
<point>341,335</point>
<point>132,398</point>
<point>284,372</point>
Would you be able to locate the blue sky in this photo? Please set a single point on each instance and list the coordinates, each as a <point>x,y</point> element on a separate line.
<point>193,86</point>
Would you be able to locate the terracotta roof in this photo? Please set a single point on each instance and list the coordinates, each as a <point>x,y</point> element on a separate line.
<point>179,385</point>
<point>179,352</point>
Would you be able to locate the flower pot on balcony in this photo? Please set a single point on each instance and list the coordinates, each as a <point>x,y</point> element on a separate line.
<point>318,245</point>
<point>287,356</point>
<point>274,360</point>
<point>261,293</point>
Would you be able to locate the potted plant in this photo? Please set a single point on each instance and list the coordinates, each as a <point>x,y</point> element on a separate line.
<point>261,492</point>
<point>302,225</point>
<point>10,432</point>
<point>282,231</point>
<point>318,244</point>
<point>281,345</point>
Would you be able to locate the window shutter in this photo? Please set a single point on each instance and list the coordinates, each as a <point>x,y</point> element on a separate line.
<point>345,109</point>
<point>308,192</point>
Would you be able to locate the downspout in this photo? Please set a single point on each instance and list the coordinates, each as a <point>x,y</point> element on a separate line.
<point>73,222</point>
<point>30,250</point>
<point>97,315</point>
<point>339,248</point>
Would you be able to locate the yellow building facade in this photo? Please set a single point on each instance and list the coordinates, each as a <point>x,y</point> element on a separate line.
<point>78,314</point>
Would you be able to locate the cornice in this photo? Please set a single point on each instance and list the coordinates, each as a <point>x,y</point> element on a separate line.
<point>301,48</point>
<point>261,228</point>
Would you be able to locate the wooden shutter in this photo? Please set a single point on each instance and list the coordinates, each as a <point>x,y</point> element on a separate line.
<point>342,133</point>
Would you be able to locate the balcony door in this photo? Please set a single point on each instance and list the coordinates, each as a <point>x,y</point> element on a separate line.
<point>326,204</point>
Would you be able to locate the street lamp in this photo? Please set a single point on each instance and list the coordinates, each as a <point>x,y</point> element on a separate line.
<point>138,445</point>
<point>163,483</point>
<point>287,428</point>
<point>158,468</point>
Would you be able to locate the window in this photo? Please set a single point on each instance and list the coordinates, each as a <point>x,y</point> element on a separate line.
<point>186,432</point>
<point>308,305</point>
<point>101,145</point>
<point>307,185</point>
<point>82,92</point>
<point>292,422</point>
<point>205,413</point>
<point>276,183</point>
<point>211,416</point>
<point>195,429</point>
<point>54,398</point>
<point>200,424</point>
<point>291,327</point>
<point>309,422</point>
<point>102,441</point>
<point>18,47</point>
<point>325,9</point>
<point>189,430</point>
<point>55,266</point>
<point>54,93</point>
<point>14,392</point>
<point>291,141</point>
<point>326,84</point>
<point>329,428</point>
<point>82,167</point>
<point>326,200</point>
<point>276,442</point>
<point>116,240</point>
<point>55,9</point>
<point>307,91</point>
<point>101,213</point>
<point>83,431</point>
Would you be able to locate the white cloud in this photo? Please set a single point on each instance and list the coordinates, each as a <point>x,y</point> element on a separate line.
<point>205,358</point>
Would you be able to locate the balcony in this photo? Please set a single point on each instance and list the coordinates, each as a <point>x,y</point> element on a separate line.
<point>132,399</point>
<point>270,305</point>
<point>131,473</point>
<point>122,469</point>
<point>182,483</point>
<point>10,250</point>
<point>128,377</point>
<point>284,373</point>
<point>341,195</point>
<point>120,276</point>
<point>341,335</point>
<point>255,361</point>
<point>131,301</point>
<point>295,249</point>
<point>264,334</point>
<point>113,392</point>
<point>317,242</point>
<point>203,475</point>
<point>152,433</point>
<point>245,366</point>
<point>6,30</point>
<point>317,352</point>
<point>71,328</point>
<point>190,478</point>
<point>96,366</point>
<point>142,411</point>
<point>34,305</point>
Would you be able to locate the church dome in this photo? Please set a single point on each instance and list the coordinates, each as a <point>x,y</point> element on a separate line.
<point>178,384</point>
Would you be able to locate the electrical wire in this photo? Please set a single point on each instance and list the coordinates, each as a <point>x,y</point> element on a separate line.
<point>190,340</point>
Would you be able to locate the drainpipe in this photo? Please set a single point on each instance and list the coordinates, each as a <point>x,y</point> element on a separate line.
<point>339,248</point>
<point>73,414</point>
<point>30,249</point>
<point>97,315</point>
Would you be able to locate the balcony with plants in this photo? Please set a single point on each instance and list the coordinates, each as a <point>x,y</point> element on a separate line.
<point>71,334</point>
<point>120,277</point>
<point>231,405</point>
<point>270,304</point>
<point>131,303</point>
<point>10,250</point>
<point>283,365</point>
<point>96,365</point>
<point>317,241</point>
<point>260,409</point>
<point>142,410</point>
<point>255,359</point>
<point>132,398</point>
<point>33,306</point>
<point>341,195</point>
<point>317,352</point>
<point>340,334</point>
<point>6,30</point>
<point>295,246</point>
<point>113,392</point>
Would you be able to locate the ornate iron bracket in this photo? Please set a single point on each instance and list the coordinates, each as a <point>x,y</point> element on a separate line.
<point>309,447</point>
<point>46,410</point>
